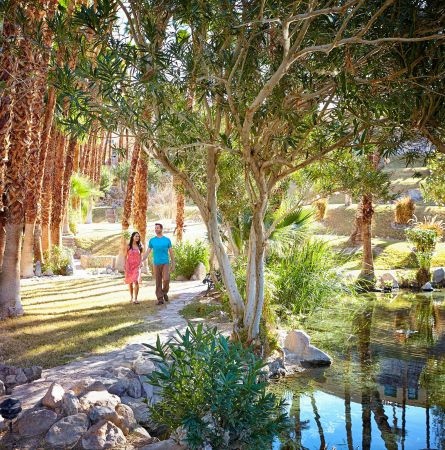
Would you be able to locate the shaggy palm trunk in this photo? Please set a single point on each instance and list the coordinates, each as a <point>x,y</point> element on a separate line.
<point>356,237</point>
<point>47,187</point>
<point>57,194</point>
<point>128,204</point>
<point>180,204</point>
<point>69,164</point>
<point>2,238</point>
<point>10,304</point>
<point>141,200</point>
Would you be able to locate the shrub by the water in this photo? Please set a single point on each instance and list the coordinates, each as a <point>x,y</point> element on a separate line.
<point>58,259</point>
<point>210,387</point>
<point>306,278</point>
<point>404,211</point>
<point>188,255</point>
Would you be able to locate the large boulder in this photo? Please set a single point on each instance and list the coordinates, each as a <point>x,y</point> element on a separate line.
<point>143,366</point>
<point>200,272</point>
<point>139,408</point>
<point>67,432</point>
<point>103,435</point>
<point>53,397</point>
<point>297,345</point>
<point>100,413</point>
<point>35,421</point>
<point>388,277</point>
<point>98,398</point>
<point>120,387</point>
<point>134,388</point>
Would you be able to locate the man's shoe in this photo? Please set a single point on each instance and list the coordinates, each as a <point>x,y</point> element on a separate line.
<point>166,297</point>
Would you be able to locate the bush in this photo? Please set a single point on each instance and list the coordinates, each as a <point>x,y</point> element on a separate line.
<point>424,239</point>
<point>106,180</point>
<point>404,211</point>
<point>58,260</point>
<point>188,255</point>
<point>321,205</point>
<point>210,387</point>
<point>306,278</point>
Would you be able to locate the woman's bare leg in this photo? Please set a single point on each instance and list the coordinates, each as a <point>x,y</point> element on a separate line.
<point>131,292</point>
<point>136,292</point>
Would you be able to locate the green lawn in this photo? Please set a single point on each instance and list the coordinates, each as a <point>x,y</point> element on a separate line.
<point>73,318</point>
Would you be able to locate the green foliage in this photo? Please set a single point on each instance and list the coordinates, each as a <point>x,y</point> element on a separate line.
<point>424,239</point>
<point>306,278</point>
<point>210,387</point>
<point>122,171</point>
<point>106,180</point>
<point>57,260</point>
<point>433,187</point>
<point>187,257</point>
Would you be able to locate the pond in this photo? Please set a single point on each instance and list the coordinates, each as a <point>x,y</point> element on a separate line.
<point>386,387</point>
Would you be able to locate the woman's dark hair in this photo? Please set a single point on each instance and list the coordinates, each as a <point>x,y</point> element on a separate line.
<point>130,245</point>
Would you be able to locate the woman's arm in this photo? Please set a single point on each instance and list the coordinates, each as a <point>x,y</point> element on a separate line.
<point>147,254</point>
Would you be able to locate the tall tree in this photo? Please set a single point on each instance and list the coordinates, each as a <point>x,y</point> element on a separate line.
<point>180,204</point>
<point>141,199</point>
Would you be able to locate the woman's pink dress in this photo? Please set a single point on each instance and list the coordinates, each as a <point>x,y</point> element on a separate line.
<point>133,266</point>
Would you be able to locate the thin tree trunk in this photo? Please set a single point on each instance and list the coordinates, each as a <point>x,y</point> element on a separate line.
<point>141,199</point>
<point>128,205</point>
<point>356,237</point>
<point>367,273</point>
<point>180,204</point>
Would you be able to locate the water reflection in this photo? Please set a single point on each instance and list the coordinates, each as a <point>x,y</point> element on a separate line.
<point>386,388</point>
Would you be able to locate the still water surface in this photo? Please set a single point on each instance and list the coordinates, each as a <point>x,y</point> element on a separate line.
<point>386,388</point>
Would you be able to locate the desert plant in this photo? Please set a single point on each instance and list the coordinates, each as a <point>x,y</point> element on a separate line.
<point>210,387</point>
<point>429,223</point>
<point>106,180</point>
<point>404,211</point>
<point>321,206</point>
<point>187,257</point>
<point>58,260</point>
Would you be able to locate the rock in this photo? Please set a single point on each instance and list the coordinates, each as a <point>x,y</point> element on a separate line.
<point>2,388</point>
<point>389,277</point>
<point>109,270</point>
<point>35,421</point>
<point>70,404</point>
<point>127,421</point>
<point>81,386</point>
<point>427,287</point>
<point>95,386</point>
<point>38,269</point>
<point>119,388</point>
<point>100,413</point>
<point>33,373</point>
<point>297,343</point>
<point>98,398</point>
<point>67,432</point>
<point>53,397</point>
<point>415,194</point>
<point>103,435</point>
<point>134,388</point>
<point>139,408</point>
<point>48,273</point>
<point>141,432</point>
<point>181,278</point>
<point>147,390</point>
<point>169,444</point>
<point>69,270</point>
<point>438,275</point>
<point>277,368</point>
<point>200,271</point>
<point>143,366</point>
<point>123,372</point>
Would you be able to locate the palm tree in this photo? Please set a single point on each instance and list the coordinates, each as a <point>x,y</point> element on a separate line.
<point>180,203</point>
<point>10,304</point>
<point>141,199</point>
<point>128,204</point>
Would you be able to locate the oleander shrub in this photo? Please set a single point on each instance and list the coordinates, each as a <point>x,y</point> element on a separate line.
<point>211,387</point>
<point>58,260</point>
<point>187,257</point>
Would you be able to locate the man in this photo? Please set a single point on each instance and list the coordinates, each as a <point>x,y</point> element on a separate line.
<point>162,248</point>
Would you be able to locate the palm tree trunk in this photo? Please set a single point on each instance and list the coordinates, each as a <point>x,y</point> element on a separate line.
<point>356,237</point>
<point>69,163</point>
<point>10,304</point>
<point>47,185</point>
<point>2,237</point>
<point>57,194</point>
<point>141,199</point>
<point>367,273</point>
<point>180,203</point>
<point>128,204</point>
<point>8,66</point>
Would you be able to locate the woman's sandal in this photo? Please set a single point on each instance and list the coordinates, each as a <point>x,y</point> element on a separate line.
<point>136,302</point>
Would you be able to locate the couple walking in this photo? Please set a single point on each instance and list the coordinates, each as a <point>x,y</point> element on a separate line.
<point>162,249</point>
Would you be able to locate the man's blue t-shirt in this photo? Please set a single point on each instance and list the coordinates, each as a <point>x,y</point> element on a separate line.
<point>160,246</point>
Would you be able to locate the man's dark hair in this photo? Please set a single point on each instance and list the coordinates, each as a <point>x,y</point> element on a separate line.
<point>160,224</point>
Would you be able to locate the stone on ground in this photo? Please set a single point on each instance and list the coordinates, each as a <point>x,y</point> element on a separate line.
<point>103,435</point>
<point>53,397</point>
<point>35,422</point>
<point>98,398</point>
<point>99,413</point>
<point>298,345</point>
<point>70,404</point>
<point>67,432</point>
<point>143,366</point>
<point>139,408</point>
<point>127,421</point>
<point>169,444</point>
<point>438,275</point>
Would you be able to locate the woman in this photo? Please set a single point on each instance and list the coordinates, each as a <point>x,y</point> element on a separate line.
<point>133,266</point>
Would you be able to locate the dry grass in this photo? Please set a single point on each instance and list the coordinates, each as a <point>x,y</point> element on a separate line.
<point>65,320</point>
<point>321,206</point>
<point>404,210</point>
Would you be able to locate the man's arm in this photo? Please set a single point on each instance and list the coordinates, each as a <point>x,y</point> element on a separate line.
<point>146,255</point>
